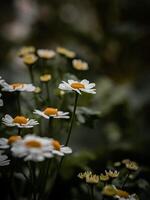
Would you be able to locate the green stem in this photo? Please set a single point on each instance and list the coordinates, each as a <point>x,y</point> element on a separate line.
<point>92,192</point>
<point>19,131</point>
<point>18,103</point>
<point>48,94</point>
<point>30,69</point>
<point>125,181</point>
<point>72,119</point>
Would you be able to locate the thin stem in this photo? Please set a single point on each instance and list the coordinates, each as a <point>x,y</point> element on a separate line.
<point>72,118</point>
<point>19,131</point>
<point>30,69</point>
<point>125,181</point>
<point>47,90</point>
<point>18,103</point>
<point>92,192</point>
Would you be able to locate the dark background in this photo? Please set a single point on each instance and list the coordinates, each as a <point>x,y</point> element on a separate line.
<point>113,36</point>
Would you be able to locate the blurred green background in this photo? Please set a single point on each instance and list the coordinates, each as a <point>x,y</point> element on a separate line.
<point>113,36</point>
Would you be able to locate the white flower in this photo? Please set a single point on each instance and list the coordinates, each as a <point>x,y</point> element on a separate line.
<point>6,142</point>
<point>32,148</point>
<point>80,65</point>
<point>45,53</point>
<point>19,121</point>
<point>3,159</point>
<point>52,112</point>
<point>78,86</point>
<point>59,149</point>
<point>130,197</point>
<point>20,87</point>
<point>1,101</point>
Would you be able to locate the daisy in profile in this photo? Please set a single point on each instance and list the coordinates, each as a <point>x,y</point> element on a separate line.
<point>3,159</point>
<point>80,65</point>
<point>52,112</point>
<point>29,59</point>
<point>19,121</point>
<point>26,50</point>
<point>78,86</point>
<point>46,53</point>
<point>129,197</point>
<point>32,148</point>
<point>66,52</point>
<point>59,149</point>
<point>5,143</point>
<point>20,87</point>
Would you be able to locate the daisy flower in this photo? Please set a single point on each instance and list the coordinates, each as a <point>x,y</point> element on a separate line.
<point>32,148</point>
<point>45,78</point>
<point>6,142</point>
<point>46,54</point>
<point>52,112</point>
<point>29,59</point>
<point>26,50</point>
<point>78,86</point>
<point>65,52</point>
<point>59,149</point>
<point>20,87</point>
<point>19,121</point>
<point>80,65</point>
<point>4,159</point>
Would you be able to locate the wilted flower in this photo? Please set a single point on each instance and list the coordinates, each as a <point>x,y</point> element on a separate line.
<point>30,59</point>
<point>66,52</point>
<point>20,87</point>
<point>82,86</point>
<point>32,148</point>
<point>80,65</point>
<point>26,50</point>
<point>3,159</point>
<point>19,121</point>
<point>59,149</point>
<point>45,78</point>
<point>112,174</point>
<point>45,53</point>
<point>52,112</point>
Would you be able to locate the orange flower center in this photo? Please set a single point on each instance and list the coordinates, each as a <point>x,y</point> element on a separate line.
<point>13,139</point>
<point>51,111</point>
<point>17,85</point>
<point>33,144</point>
<point>56,145</point>
<point>20,120</point>
<point>77,85</point>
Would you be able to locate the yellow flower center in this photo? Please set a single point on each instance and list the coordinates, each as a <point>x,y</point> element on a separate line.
<point>77,85</point>
<point>20,120</point>
<point>17,85</point>
<point>33,144</point>
<point>122,193</point>
<point>13,139</point>
<point>51,111</point>
<point>30,59</point>
<point>56,145</point>
<point>45,77</point>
